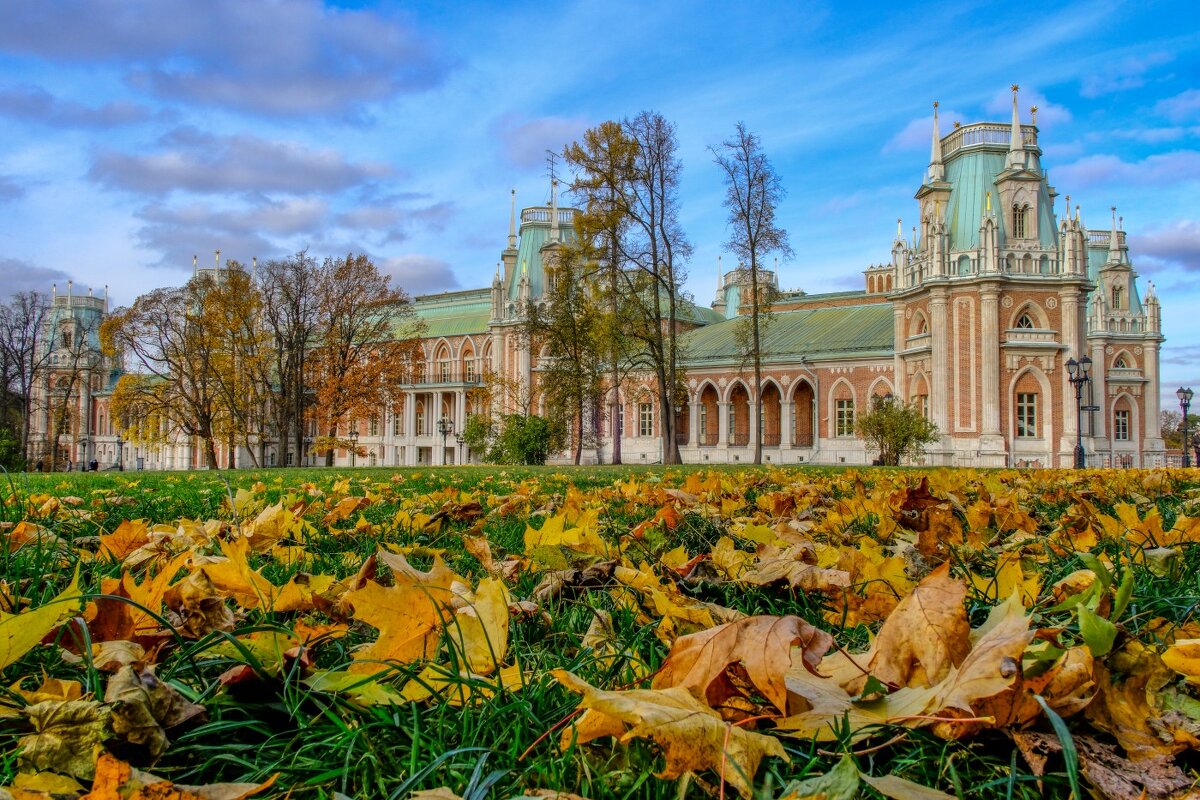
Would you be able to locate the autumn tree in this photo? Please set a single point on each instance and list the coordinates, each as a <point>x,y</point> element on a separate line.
<point>23,358</point>
<point>603,162</point>
<point>365,345</point>
<point>174,342</point>
<point>895,429</point>
<point>243,368</point>
<point>636,184</point>
<point>566,326</point>
<point>753,192</point>
<point>290,318</point>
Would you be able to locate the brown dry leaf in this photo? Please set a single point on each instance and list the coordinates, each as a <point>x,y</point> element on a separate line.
<point>1114,777</point>
<point>111,656</point>
<point>345,507</point>
<point>479,547</point>
<point>795,564</point>
<point>234,577</point>
<point>995,660</point>
<point>691,735</point>
<point>440,793</point>
<point>116,780</point>
<point>144,708</point>
<point>196,608</point>
<point>1124,707</point>
<point>65,733</point>
<point>762,646</point>
<point>925,637</point>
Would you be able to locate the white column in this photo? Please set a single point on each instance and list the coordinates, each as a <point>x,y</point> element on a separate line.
<point>990,379</point>
<point>1071,349</point>
<point>723,431</point>
<point>940,340</point>
<point>787,424</point>
<point>693,420</point>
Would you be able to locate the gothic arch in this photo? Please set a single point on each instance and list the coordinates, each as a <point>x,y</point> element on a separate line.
<point>730,388</point>
<point>1123,360</point>
<point>877,383</point>
<point>841,389</point>
<point>1036,315</point>
<point>1135,421</point>
<point>1027,264</point>
<point>704,384</point>
<point>964,264</point>
<point>442,349</point>
<point>920,324</point>
<point>1045,410</point>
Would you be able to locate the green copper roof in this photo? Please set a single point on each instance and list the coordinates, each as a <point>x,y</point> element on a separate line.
<point>972,174</point>
<point>535,233</point>
<point>454,313</point>
<point>817,333</point>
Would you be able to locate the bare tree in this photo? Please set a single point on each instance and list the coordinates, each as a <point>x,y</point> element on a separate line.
<point>753,191</point>
<point>290,315</point>
<point>23,358</point>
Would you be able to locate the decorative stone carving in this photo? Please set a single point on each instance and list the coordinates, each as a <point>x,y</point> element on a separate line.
<point>1007,302</point>
<point>908,313</point>
<point>1051,302</point>
<point>1137,351</point>
<point>1109,350</point>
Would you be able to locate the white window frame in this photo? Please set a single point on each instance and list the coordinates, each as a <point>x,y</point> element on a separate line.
<point>645,418</point>
<point>843,419</point>
<point>1025,414</point>
<point>1121,425</point>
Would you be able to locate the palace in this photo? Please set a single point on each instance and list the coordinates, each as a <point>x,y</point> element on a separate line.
<point>974,316</point>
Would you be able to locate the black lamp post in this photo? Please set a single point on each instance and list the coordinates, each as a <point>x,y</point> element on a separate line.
<point>1077,374</point>
<point>120,453</point>
<point>458,437</point>
<point>1185,402</point>
<point>445,427</point>
<point>353,442</point>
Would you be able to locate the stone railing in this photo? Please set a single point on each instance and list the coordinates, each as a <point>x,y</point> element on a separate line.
<point>566,216</point>
<point>985,133</point>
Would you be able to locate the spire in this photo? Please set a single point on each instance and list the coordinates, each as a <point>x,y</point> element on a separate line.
<point>554,209</point>
<point>937,171</point>
<point>195,269</point>
<point>899,230</point>
<point>70,286</point>
<point>218,260</point>
<point>1114,241</point>
<point>1016,145</point>
<point>512,222</point>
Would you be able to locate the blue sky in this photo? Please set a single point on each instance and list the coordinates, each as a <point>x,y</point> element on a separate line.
<point>139,132</point>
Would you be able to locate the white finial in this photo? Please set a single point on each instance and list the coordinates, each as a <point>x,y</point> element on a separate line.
<point>937,171</point>
<point>218,259</point>
<point>899,230</point>
<point>720,275</point>
<point>89,291</point>
<point>512,223</point>
<point>70,286</point>
<point>1033,114</point>
<point>54,289</point>
<point>195,269</point>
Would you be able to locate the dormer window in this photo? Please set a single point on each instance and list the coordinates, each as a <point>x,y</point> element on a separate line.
<point>1025,323</point>
<point>1019,214</point>
<point>1117,296</point>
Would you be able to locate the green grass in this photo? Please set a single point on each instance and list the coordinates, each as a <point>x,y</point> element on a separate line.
<point>320,744</point>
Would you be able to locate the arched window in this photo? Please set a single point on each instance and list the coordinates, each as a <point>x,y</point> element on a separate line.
<point>1121,363</point>
<point>1117,297</point>
<point>1025,322</point>
<point>420,415</point>
<point>1018,214</point>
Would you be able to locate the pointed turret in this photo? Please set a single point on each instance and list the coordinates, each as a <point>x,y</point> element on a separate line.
<point>937,170</point>
<point>1016,144</point>
<point>1114,241</point>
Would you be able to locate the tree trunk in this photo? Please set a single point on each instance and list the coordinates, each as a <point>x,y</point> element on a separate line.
<point>757,356</point>
<point>210,452</point>
<point>579,433</point>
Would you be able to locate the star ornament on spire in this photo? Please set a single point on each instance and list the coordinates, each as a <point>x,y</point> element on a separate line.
<point>1015,88</point>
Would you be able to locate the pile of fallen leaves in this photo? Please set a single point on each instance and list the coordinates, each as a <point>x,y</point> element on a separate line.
<point>1013,607</point>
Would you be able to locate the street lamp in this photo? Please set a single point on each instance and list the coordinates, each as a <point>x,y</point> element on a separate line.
<point>120,453</point>
<point>458,437</point>
<point>445,427</point>
<point>1077,374</point>
<point>1185,402</point>
<point>353,442</point>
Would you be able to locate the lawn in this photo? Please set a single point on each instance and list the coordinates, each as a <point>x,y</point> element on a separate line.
<point>640,632</point>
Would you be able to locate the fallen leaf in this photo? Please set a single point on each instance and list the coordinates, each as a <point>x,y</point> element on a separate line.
<point>19,633</point>
<point>761,645</point>
<point>65,734</point>
<point>691,736</point>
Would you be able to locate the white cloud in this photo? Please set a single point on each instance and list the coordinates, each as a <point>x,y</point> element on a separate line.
<point>418,274</point>
<point>1049,114</point>
<point>1119,76</point>
<point>1184,106</point>
<point>918,133</point>
<point>524,143</point>
<point>1176,243</point>
<point>1160,169</point>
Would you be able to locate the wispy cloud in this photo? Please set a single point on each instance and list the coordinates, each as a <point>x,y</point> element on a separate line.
<point>1160,169</point>
<point>194,161</point>
<point>1123,74</point>
<point>17,275</point>
<point>1183,107</point>
<point>918,133</point>
<point>1176,243</point>
<point>419,274</point>
<point>524,142</point>
<point>10,190</point>
<point>288,58</point>
<point>35,104</point>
